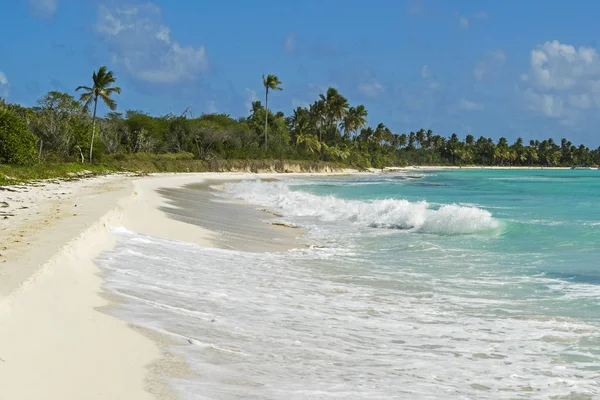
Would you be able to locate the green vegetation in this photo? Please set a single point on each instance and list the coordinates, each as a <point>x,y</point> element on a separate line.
<point>102,79</point>
<point>270,82</point>
<point>50,138</point>
<point>13,174</point>
<point>17,143</point>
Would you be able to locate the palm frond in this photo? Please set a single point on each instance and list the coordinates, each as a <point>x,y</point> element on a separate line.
<point>89,89</point>
<point>271,82</point>
<point>87,99</point>
<point>115,89</point>
<point>110,103</point>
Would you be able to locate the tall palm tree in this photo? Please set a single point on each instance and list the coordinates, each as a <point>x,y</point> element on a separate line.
<point>270,82</point>
<point>103,79</point>
<point>349,122</point>
<point>428,136</point>
<point>336,106</point>
<point>359,115</point>
<point>420,136</point>
<point>317,111</point>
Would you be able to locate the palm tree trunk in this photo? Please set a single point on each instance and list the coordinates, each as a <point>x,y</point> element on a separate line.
<point>320,136</point>
<point>93,128</point>
<point>40,152</point>
<point>266,115</point>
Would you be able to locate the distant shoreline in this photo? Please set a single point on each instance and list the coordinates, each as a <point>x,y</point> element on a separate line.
<point>431,167</point>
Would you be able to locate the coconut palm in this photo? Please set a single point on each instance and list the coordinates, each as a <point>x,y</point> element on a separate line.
<point>270,82</point>
<point>420,136</point>
<point>317,111</point>
<point>469,140</point>
<point>311,142</point>
<point>336,106</point>
<point>103,79</point>
<point>354,120</point>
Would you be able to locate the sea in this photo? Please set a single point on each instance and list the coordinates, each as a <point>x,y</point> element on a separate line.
<point>450,284</point>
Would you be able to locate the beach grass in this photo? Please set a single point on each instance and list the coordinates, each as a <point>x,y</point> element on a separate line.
<point>142,163</point>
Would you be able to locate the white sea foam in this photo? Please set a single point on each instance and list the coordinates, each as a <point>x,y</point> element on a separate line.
<point>297,326</point>
<point>379,313</point>
<point>389,213</point>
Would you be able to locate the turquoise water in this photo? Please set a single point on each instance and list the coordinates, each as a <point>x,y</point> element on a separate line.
<point>472,284</point>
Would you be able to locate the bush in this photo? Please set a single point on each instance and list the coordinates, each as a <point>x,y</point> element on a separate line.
<point>17,143</point>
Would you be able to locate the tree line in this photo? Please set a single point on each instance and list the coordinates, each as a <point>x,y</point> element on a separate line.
<point>63,128</point>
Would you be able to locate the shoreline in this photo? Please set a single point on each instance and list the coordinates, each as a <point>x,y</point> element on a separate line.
<point>52,333</point>
<point>452,167</point>
<point>53,307</point>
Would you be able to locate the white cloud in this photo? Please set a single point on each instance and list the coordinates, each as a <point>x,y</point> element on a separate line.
<point>481,15</point>
<point>289,43</point>
<point>371,88</point>
<point>43,8</point>
<point>299,103</point>
<point>141,44</point>
<point>562,67</point>
<point>315,89</point>
<point>428,76</point>
<point>469,105</point>
<point>164,34</point>
<point>490,65</point>
<point>546,104</point>
<point>425,72</point>
<point>4,86</point>
<point>250,97</point>
<point>464,22</point>
<point>211,107</point>
<point>562,81</point>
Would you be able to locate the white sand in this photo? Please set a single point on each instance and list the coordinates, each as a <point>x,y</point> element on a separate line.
<point>54,341</point>
<point>54,344</point>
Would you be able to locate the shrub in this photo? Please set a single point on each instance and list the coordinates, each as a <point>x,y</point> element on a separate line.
<point>17,143</point>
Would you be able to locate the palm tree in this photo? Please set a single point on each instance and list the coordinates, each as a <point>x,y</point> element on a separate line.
<point>256,106</point>
<point>354,120</point>
<point>270,82</point>
<point>428,136</point>
<point>359,115</point>
<point>336,106</point>
<point>317,111</point>
<point>311,142</point>
<point>102,89</point>
<point>402,140</point>
<point>421,137</point>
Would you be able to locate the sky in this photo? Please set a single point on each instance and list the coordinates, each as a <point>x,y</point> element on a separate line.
<point>527,69</point>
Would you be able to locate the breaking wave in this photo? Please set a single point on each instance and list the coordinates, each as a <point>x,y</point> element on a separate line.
<point>420,216</point>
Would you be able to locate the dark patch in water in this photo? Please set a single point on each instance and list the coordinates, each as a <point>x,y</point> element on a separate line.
<point>429,184</point>
<point>406,177</point>
<point>578,278</point>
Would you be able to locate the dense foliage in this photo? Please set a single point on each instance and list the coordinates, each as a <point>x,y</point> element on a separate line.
<point>329,130</point>
<point>17,143</point>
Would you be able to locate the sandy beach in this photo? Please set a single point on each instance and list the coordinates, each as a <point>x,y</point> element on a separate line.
<point>56,342</point>
<point>59,338</point>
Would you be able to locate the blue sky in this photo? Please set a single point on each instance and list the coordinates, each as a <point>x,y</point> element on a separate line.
<point>492,68</point>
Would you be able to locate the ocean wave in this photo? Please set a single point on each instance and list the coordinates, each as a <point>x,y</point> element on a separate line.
<point>420,216</point>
